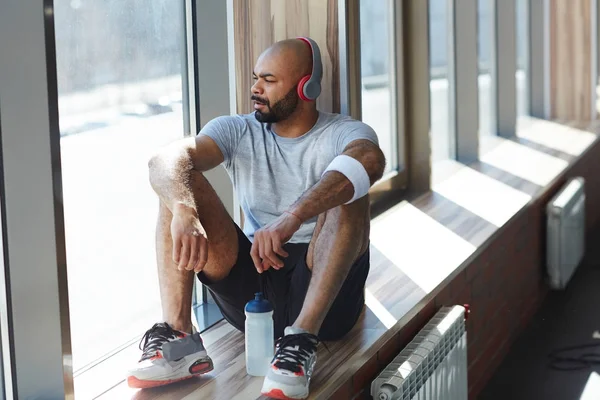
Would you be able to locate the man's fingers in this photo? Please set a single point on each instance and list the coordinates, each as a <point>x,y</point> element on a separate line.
<point>176,250</point>
<point>261,247</point>
<point>202,254</point>
<point>269,255</point>
<point>266,265</point>
<point>278,249</point>
<point>255,257</point>
<point>262,253</point>
<point>272,257</point>
<point>185,254</point>
<point>194,248</point>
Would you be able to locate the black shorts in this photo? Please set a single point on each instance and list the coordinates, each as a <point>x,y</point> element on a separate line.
<point>286,289</point>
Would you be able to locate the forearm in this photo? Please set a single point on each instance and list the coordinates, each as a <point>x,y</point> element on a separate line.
<point>335,189</point>
<point>171,176</point>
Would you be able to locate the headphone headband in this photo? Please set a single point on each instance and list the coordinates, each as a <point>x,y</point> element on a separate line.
<point>309,87</point>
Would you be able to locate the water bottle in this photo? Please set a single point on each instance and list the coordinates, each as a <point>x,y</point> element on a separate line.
<point>260,341</point>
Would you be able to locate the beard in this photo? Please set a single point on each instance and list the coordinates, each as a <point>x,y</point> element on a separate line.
<point>280,110</point>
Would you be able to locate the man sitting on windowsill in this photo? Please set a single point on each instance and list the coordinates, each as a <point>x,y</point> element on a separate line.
<point>302,178</point>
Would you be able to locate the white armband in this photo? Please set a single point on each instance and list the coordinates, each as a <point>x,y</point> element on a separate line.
<point>352,169</point>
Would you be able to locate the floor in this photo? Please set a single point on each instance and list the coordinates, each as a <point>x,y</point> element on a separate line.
<point>565,319</point>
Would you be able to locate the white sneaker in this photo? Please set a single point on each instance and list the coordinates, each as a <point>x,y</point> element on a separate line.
<point>292,366</point>
<point>184,356</point>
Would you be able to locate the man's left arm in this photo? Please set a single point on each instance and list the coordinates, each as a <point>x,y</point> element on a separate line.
<point>332,190</point>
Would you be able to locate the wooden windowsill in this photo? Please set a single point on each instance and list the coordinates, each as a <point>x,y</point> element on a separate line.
<point>417,249</point>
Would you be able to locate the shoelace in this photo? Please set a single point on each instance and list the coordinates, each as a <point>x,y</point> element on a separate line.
<point>293,350</point>
<point>154,338</point>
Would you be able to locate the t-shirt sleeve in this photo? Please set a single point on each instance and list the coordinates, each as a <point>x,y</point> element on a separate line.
<point>353,130</point>
<point>226,131</point>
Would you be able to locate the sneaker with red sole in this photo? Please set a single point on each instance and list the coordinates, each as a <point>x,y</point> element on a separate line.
<point>292,366</point>
<point>168,356</point>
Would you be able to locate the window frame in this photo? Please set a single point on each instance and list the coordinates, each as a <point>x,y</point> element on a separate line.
<point>504,67</point>
<point>524,7</point>
<point>463,79</point>
<point>207,99</point>
<point>32,209</point>
<point>394,183</point>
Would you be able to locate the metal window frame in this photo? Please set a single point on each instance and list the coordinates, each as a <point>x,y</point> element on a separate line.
<point>504,68</point>
<point>594,56</point>
<point>210,92</point>
<point>597,37</point>
<point>32,205</point>
<point>417,94</point>
<point>538,63</point>
<point>463,80</point>
<point>5,361</point>
<point>526,9</point>
<point>546,39</point>
<point>393,185</point>
<point>349,53</point>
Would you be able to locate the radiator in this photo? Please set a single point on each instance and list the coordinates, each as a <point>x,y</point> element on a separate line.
<point>433,366</point>
<point>565,231</point>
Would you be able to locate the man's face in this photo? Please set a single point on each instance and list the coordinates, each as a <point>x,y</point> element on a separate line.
<point>274,91</point>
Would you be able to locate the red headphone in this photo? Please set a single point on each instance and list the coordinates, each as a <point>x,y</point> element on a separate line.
<point>309,86</point>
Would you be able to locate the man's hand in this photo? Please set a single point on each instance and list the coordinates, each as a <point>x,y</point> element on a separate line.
<point>190,244</point>
<point>269,241</point>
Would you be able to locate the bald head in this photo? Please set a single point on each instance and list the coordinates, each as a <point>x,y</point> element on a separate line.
<point>291,57</point>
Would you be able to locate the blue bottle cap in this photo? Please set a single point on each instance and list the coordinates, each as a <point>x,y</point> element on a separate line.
<point>259,304</point>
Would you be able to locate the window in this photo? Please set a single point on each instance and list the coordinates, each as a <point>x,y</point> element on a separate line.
<point>377,75</point>
<point>439,35</point>
<point>380,100</point>
<point>485,47</point>
<point>120,68</point>
<point>522,51</point>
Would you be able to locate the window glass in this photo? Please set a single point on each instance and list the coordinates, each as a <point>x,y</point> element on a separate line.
<point>120,99</point>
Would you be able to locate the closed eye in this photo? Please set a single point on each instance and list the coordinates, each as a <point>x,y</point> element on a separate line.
<point>268,77</point>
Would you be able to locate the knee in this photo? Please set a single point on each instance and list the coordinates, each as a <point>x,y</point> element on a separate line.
<point>354,217</point>
<point>357,212</point>
<point>213,275</point>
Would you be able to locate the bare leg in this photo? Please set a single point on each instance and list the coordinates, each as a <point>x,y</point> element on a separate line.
<point>340,238</point>
<point>176,286</point>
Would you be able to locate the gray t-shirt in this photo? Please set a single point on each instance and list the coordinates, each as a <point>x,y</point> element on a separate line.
<point>270,172</point>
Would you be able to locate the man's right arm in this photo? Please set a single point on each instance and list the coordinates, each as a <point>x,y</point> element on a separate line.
<point>172,168</point>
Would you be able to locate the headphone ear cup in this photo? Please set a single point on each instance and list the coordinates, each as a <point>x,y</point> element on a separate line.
<point>312,89</point>
<point>301,88</point>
